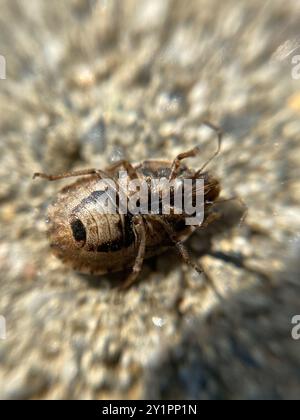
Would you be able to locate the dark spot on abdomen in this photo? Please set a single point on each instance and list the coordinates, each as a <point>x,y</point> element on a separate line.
<point>110,246</point>
<point>123,242</point>
<point>180,225</point>
<point>93,198</point>
<point>129,237</point>
<point>78,230</point>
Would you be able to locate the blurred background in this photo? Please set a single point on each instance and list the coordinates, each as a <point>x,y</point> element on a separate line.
<point>84,83</point>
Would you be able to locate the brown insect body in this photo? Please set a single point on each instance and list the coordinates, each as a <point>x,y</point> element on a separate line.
<point>93,241</point>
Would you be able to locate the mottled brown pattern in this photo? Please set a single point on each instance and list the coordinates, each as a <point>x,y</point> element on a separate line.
<point>108,242</point>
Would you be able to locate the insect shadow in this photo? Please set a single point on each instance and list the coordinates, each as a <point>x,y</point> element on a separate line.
<point>241,349</point>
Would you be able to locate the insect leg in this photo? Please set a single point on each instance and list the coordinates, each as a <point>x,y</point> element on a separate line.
<point>126,165</point>
<point>65,175</point>
<point>185,255</point>
<point>219,133</point>
<point>139,228</point>
<point>195,151</point>
<point>176,163</point>
<point>196,266</point>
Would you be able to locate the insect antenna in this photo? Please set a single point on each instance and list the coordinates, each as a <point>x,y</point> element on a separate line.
<point>219,133</point>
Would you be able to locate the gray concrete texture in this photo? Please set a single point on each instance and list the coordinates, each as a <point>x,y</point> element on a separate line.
<point>89,82</point>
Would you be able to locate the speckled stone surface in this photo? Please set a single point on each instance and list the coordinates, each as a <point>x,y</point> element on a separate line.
<point>88,82</point>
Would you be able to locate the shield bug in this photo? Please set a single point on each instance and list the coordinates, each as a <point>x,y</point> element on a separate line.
<point>95,241</point>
